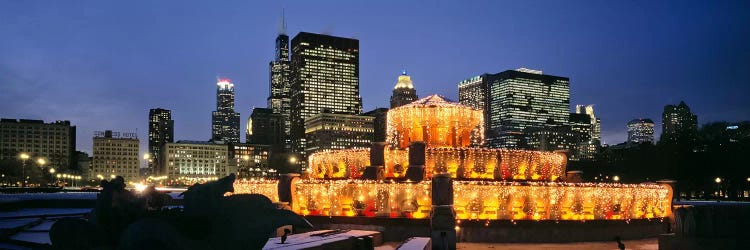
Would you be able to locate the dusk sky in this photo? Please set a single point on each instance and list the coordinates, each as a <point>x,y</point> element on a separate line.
<point>103,64</point>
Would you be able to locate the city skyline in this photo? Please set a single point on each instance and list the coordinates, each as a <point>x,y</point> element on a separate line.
<point>39,80</point>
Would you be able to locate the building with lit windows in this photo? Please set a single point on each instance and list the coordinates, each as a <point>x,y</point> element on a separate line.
<point>471,92</point>
<point>251,160</point>
<point>115,154</point>
<point>585,148</point>
<point>160,131</point>
<point>679,125</point>
<point>590,147</point>
<point>516,100</point>
<point>225,123</point>
<point>324,76</point>
<point>379,123</point>
<point>329,131</point>
<point>55,142</point>
<point>641,131</point>
<point>559,138</point>
<point>267,127</point>
<point>404,92</point>
<point>279,98</point>
<point>191,161</point>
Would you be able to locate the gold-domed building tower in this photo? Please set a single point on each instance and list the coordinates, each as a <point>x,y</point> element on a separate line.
<point>404,92</point>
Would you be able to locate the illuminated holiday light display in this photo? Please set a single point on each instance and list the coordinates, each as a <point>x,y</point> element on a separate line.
<point>435,121</point>
<point>461,163</point>
<point>266,187</point>
<point>489,184</point>
<point>485,200</point>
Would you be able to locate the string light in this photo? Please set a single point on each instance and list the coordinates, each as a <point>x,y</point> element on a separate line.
<point>489,184</point>
<point>266,187</point>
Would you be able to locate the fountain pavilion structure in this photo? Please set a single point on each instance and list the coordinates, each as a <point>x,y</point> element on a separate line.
<point>433,159</point>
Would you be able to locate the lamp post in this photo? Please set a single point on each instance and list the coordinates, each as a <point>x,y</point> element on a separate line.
<point>41,162</point>
<point>616,178</point>
<point>718,188</point>
<point>24,157</point>
<point>51,174</point>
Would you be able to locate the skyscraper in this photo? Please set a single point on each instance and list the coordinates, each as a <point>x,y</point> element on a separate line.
<point>588,148</point>
<point>516,100</point>
<point>225,122</point>
<point>279,98</point>
<point>679,125</point>
<point>267,127</point>
<point>641,131</point>
<point>325,76</point>
<point>581,126</point>
<point>403,92</point>
<point>596,123</point>
<point>160,131</point>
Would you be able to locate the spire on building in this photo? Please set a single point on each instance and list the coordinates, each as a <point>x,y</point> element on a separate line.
<point>282,24</point>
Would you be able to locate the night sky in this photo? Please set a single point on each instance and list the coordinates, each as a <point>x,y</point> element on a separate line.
<point>104,64</point>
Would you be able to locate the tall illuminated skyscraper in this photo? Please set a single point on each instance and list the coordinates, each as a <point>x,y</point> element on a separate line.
<point>404,92</point>
<point>588,147</point>
<point>225,122</point>
<point>279,98</point>
<point>160,131</point>
<point>325,76</point>
<point>516,100</point>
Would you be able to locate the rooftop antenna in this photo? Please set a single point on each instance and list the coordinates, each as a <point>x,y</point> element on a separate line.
<point>282,24</point>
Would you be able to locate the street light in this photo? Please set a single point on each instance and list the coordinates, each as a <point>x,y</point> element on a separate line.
<point>616,178</point>
<point>24,157</point>
<point>51,174</point>
<point>41,162</point>
<point>718,188</point>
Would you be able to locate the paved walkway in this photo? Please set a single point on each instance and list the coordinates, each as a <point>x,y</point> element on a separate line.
<point>644,244</point>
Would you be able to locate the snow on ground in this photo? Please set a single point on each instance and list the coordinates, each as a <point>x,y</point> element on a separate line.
<point>43,211</point>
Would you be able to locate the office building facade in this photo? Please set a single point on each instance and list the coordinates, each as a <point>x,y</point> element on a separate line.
<point>267,127</point>
<point>379,123</point>
<point>251,160</point>
<point>225,123</point>
<point>325,76</point>
<point>471,92</point>
<point>191,161</point>
<point>115,154</point>
<point>679,125</point>
<point>55,142</point>
<point>516,100</point>
<point>641,131</point>
<point>160,131</point>
<point>588,148</point>
<point>329,131</point>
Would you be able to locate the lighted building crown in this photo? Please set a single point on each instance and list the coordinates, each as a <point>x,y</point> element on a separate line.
<point>437,121</point>
<point>224,83</point>
<point>404,81</point>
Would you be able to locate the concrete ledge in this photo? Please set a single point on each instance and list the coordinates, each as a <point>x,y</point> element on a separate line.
<point>502,231</point>
<point>328,239</point>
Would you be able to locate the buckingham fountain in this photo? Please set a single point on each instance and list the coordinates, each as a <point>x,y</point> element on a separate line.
<point>433,166</point>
